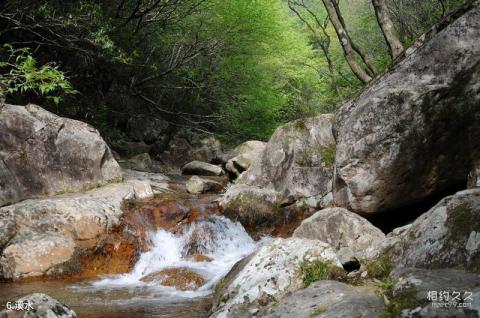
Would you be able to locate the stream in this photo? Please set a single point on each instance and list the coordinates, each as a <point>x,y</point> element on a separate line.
<point>139,293</point>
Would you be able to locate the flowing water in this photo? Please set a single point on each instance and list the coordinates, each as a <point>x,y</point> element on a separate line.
<point>126,295</point>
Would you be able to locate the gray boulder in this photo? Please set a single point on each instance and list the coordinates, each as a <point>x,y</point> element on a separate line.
<point>329,299</point>
<point>198,185</point>
<point>298,159</point>
<point>202,169</point>
<point>413,132</point>
<point>39,306</point>
<point>43,154</point>
<point>348,233</point>
<point>244,155</point>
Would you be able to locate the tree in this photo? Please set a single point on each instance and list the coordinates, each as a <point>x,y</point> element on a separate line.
<point>348,46</point>
<point>395,47</point>
<point>323,39</point>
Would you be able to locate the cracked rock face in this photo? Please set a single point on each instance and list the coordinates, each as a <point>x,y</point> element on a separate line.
<point>298,159</point>
<point>268,274</point>
<point>415,130</point>
<point>43,154</point>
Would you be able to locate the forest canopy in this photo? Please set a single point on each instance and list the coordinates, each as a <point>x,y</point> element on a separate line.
<point>236,68</point>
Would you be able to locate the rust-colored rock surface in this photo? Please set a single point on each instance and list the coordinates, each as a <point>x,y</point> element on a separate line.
<point>179,278</point>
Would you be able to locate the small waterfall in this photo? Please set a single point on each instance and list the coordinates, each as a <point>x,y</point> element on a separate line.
<point>217,237</point>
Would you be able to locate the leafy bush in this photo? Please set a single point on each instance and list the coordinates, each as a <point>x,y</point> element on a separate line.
<point>20,73</point>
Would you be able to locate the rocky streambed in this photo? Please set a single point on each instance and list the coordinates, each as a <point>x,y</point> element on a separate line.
<point>163,259</point>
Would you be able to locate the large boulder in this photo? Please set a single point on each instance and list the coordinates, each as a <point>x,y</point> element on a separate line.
<point>267,275</point>
<point>244,155</point>
<point>329,299</point>
<point>202,169</point>
<point>415,130</point>
<point>43,154</point>
<point>447,236</point>
<point>38,236</point>
<point>298,159</point>
<point>38,306</point>
<point>348,233</point>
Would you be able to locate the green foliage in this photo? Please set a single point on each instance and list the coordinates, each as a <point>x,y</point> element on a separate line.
<point>261,78</point>
<point>312,271</point>
<point>380,268</point>
<point>248,65</point>
<point>20,73</point>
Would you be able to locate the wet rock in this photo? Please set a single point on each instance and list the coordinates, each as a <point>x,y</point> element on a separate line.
<point>414,131</point>
<point>298,159</point>
<point>244,155</point>
<point>42,306</point>
<point>417,292</point>
<point>43,154</point>
<point>348,233</point>
<point>202,169</point>
<point>52,228</point>
<point>447,236</point>
<point>200,258</point>
<point>169,210</point>
<point>267,275</point>
<point>251,206</point>
<point>198,185</point>
<point>330,299</point>
<point>179,278</point>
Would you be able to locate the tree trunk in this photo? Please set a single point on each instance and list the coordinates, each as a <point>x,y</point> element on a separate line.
<point>395,47</point>
<point>346,42</point>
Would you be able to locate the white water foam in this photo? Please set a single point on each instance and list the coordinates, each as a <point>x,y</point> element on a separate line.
<point>226,242</point>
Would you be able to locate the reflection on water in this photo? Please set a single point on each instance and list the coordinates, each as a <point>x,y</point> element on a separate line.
<point>109,303</point>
